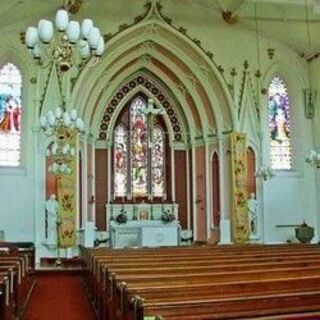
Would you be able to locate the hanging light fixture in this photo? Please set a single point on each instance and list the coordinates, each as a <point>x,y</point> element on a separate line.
<point>65,42</point>
<point>60,126</point>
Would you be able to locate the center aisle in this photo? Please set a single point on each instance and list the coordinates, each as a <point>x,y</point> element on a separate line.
<point>59,297</point>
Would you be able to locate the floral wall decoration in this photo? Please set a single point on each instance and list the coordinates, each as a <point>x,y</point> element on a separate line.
<point>240,220</point>
<point>67,196</point>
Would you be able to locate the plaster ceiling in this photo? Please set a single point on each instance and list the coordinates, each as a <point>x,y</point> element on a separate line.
<point>282,20</point>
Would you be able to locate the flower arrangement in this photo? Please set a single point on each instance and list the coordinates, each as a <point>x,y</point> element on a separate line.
<point>121,217</point>
<point>168,216</point>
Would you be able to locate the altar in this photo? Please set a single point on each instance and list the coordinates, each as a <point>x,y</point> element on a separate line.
<point>142,225</point>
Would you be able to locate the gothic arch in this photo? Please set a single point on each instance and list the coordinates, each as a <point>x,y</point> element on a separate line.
<point>154,45</point>
<point>132,87</point>
<point>294,77</point>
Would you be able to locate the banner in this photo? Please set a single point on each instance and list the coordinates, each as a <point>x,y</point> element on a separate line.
<point>240,219</point>
<point>67,196</point>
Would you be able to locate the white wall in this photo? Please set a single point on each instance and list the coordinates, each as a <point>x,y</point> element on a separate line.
<point>17,206</point>
<point>290,197</point>
<point>17,195</point>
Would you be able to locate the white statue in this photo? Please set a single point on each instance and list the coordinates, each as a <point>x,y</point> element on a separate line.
<point>52,207</point>
<point>253,213</point>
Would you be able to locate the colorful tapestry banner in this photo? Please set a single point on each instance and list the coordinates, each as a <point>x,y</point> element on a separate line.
<point>67,197</point>
<point>240,219</point>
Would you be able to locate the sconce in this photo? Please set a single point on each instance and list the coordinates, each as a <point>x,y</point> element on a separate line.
<point>92,199</point>
<point>265,173</point>
<point>313,158</point>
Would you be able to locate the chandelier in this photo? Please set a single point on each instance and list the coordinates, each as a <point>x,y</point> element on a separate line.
<point>264,173</point>
<point>61,126</point>
<point>72,44</point>
<point>313,158</point>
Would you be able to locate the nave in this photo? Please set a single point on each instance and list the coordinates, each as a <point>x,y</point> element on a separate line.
<point>160,123</point>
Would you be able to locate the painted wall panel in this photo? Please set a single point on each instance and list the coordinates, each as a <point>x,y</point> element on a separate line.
<point>181,185</point>
<point>201,193</point>
<point>101,188</point>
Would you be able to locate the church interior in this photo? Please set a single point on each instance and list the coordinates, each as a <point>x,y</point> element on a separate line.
<point>159,159</point>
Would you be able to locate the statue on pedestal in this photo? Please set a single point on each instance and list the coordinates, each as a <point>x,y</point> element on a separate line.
<point>253,214</point>
<point>52,219</point>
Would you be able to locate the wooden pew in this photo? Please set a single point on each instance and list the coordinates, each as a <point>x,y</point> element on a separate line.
<point>6,307</point>
<point>132,259</point>
<point>17,266</point>
<point>128,264</point>
<point>217,286</point>
<point>244,307</point>
<point>95,254</point>
<point>201,267</point>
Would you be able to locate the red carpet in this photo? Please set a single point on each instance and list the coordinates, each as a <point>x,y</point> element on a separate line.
<point>59,297</point>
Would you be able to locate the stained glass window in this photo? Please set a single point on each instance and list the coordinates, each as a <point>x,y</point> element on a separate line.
<point>139,152</point>
<point>10,115</point>
<point>139,145</point>
<point>279,125</point>
<point>158,161</point>
<point>120,161</point>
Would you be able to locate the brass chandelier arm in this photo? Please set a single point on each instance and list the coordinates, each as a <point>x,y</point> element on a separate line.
<point>65,42</point>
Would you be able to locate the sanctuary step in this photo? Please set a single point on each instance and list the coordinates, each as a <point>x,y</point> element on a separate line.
<point>63,264</point>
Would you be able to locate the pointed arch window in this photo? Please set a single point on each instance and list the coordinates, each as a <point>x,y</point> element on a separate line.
<point>139,153</point>
<point>120,161</point>
<point>279,125</point>
<point>10,115</point>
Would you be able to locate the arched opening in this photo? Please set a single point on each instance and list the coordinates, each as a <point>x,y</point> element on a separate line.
<point>279,125</point>
<point>140,151</point>
<point>215,190</point>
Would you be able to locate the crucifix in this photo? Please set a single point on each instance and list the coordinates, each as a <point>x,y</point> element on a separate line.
<point>150,111</point>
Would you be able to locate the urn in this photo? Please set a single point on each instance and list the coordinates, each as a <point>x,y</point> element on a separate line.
<point>304,233</point>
